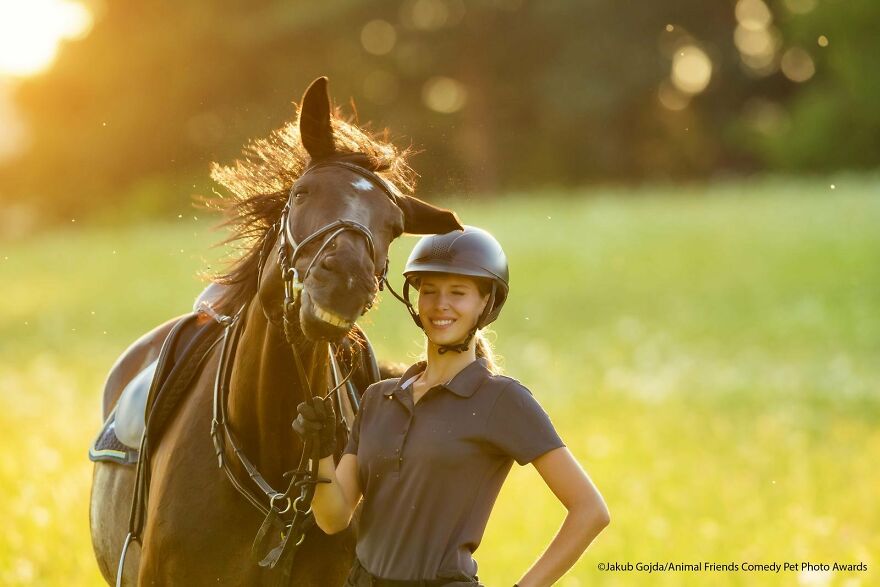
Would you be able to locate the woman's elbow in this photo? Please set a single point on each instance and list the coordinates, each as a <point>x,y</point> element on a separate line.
<point>333,525</point>
<point>595,515</point>
<point>334,530</point>
<point>601,517</point>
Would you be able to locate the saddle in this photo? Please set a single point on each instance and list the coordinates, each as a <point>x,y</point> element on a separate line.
<point>155,392</point>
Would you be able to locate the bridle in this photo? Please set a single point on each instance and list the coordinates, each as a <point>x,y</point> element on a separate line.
<point>292,516</point>
<point>289,250</point>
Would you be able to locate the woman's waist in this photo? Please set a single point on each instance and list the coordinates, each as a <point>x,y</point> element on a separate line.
<point>361,577</point>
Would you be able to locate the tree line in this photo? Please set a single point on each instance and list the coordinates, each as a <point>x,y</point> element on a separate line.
<point>494,94</point>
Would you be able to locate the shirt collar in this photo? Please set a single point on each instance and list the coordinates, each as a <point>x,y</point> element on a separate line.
<point>464,384</point>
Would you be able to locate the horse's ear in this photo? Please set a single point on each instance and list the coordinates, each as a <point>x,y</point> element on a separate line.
<point>314,120</point>
<point>422,218</point>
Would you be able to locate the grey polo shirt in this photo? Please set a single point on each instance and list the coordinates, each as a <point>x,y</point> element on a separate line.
<point>430,472</point>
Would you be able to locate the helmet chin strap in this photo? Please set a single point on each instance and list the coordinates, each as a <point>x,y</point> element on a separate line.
<point>460,347</point>
<point>465,345</point>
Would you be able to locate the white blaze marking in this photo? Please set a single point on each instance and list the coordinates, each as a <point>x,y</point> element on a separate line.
<point>362,184</point>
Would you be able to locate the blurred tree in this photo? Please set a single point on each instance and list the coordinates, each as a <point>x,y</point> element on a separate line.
<point>496,93</point>
<point>830,119</point>
<point>157,91</point>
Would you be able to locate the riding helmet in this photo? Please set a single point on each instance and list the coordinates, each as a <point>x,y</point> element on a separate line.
<point>472,252</point>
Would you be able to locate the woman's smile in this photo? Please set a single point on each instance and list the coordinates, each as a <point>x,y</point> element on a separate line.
<point>445,330</point>
<point>442,323</point>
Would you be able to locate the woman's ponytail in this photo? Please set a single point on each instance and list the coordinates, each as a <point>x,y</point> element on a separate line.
<point>485,351</point>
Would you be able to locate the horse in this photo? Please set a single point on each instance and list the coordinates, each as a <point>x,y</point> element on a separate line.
<point>315,208</point>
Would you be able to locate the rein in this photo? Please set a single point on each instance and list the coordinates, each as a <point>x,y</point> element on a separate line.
<point>293,516</point>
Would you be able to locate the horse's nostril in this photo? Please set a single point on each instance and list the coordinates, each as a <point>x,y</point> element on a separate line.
<point>329,263</point>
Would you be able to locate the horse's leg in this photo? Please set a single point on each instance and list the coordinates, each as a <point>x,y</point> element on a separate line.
<point>113,484</point>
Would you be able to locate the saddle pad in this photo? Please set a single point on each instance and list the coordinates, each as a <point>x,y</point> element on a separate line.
<point>132,405</point>
<point>106,447</point>
<point>165,382</point>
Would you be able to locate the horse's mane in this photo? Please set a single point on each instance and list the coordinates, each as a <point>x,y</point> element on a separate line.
<point>258,186</point>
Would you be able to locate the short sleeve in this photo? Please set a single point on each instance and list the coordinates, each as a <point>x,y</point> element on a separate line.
<point>519,426</point>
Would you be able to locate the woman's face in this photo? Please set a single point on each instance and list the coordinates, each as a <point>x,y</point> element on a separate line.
<point>449,306</point>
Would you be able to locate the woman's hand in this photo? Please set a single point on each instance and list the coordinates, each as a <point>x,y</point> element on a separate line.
<point>334,502</point>
<point>316,421</point>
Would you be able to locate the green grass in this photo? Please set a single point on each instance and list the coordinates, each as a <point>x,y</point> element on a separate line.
<point>710,355</point>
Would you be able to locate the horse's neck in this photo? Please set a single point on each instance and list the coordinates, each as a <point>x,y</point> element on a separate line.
<point>264,390</point>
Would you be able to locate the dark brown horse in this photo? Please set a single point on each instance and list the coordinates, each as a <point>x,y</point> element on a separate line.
<point>198,528</point>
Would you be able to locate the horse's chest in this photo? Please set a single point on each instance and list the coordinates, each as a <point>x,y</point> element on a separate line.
<point>200,529</point>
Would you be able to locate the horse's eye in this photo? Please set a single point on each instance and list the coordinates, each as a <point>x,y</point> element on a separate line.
<point>298,197</point>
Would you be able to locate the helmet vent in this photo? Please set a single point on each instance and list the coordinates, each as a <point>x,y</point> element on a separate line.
<point>439,250</point>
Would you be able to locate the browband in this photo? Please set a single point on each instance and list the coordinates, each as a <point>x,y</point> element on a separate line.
<point>372,177</point>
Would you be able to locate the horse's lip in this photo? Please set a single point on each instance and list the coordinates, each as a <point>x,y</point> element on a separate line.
<point>325,315</point>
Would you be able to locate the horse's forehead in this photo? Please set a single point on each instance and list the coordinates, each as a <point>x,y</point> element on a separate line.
<point>362,184</point>
<point>351,207</point>
<point>348,203</point>
<point>348,195</point>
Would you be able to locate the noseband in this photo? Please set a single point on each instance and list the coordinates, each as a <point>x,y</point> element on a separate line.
<point>289,250</point>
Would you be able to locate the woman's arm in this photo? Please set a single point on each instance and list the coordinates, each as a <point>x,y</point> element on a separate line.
<point>587,516</point>
<point>335,502</point>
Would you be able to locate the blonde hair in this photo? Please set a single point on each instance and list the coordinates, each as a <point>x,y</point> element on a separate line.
<point>486,351</point>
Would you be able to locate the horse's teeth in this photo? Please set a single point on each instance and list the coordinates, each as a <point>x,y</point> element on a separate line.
<point>329,317</point>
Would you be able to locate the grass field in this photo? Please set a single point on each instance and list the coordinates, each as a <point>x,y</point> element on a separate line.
<point>709,354</point>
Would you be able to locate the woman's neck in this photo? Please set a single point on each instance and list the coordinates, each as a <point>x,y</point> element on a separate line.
<point>441,368</point>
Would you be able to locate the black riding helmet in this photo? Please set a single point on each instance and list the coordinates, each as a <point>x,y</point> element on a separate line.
<point>472,252</point>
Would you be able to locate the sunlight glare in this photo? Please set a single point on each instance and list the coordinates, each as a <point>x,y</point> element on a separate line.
<point>31,31</point>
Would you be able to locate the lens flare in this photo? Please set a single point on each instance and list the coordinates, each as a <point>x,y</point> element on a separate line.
<point>31,32</point>
<point>691,69</point>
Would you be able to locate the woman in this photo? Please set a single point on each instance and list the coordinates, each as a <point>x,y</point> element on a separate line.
<point>429,451</point>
